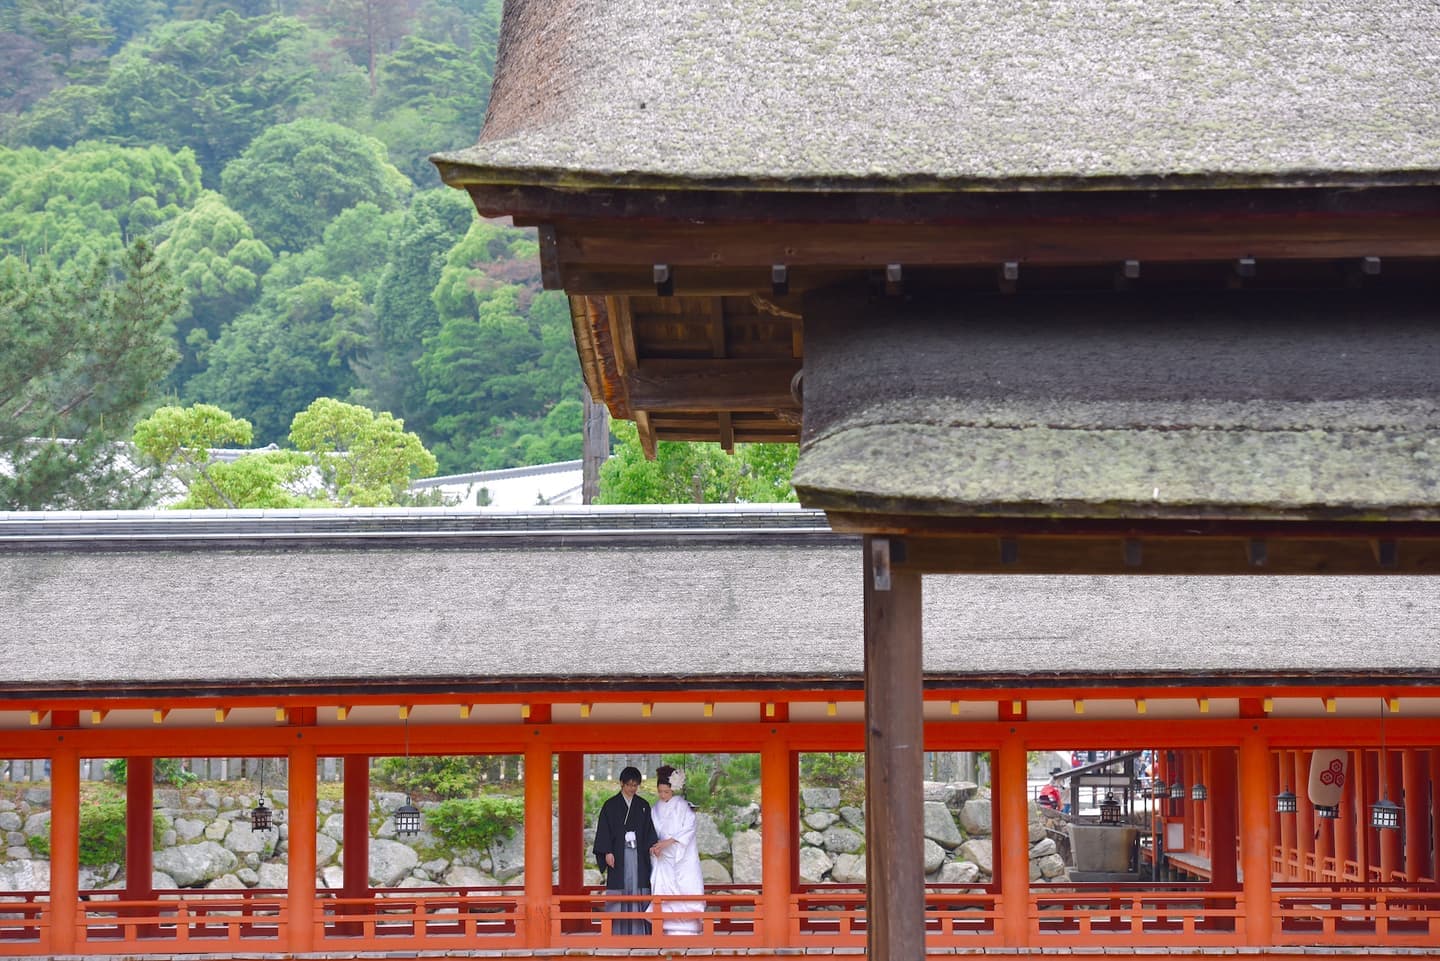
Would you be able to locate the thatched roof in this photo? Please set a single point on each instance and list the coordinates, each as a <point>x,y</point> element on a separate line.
<point>285,603</point>
<point>985,94</point>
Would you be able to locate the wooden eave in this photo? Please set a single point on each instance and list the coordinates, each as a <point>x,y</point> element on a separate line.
<point>682,326</point>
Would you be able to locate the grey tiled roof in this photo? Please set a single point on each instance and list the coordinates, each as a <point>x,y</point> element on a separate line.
<point>752,606</point>
<point>918,94</point>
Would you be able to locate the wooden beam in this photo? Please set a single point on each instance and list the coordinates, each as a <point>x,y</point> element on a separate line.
<point>1325,550</point>
<point>535,205</point>
<point>894,758</point>
<point>753,248</point>
<point>712,385</point>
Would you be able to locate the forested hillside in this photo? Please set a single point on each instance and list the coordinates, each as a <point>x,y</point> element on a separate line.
<point>273,154</point>
<point>222,210</point>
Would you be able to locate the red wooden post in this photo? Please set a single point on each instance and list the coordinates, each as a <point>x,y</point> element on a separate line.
<point>1391,844</point>
<point>1417,826</point>
<point>64,847</point>
<point>1434,808</point>
<point>1353,815</point>
<point>139,828</point>
<point>1012,788</point>
<point>777,775</point>
<point>300,893</point>
<point>1286,826</point>
<point>1256,841</point>
<point>539,799</point>
<point>356,830</point>
<point>571,804</point>
<point>1305,839</point>
<point>894,756</point>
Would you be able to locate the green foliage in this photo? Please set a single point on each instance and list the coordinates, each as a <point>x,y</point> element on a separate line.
<point>63,205</point>
<point>835,769</point>
<point>365,459</point>
<point>700,473</point>
<point>218,261</point>
<point>269,480</point>
<point>82,350</point>
<point>210,85</point>
<point>284,352</point>
<point>180,439</point>
<point>716,782</point>
<point>294,179</point>
<point>477,822</point>
<point>102,831</point>
<point>168,770</point>
<point>502,358</point>
<point>39,845</point>
<point>405,314</point>
<point>438,776</point>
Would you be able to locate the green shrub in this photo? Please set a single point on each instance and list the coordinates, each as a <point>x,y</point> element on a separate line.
<point>835,769</point>
<point>39,845</point>
<point>438,776</point>
<point>475,823</point>
<point>102,832</point>
<point>168,770</point>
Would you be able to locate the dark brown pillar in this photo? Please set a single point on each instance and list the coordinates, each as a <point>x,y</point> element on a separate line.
<point>356,830</point>
<point>894,756</point>
<point>139,828</point>
<point>1223,825</point>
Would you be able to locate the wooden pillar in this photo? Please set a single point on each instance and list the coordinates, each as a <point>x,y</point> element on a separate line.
<point>1304,816</point>
<point>1390,855</point>
<point>139,828</point>
<point>1292,862</point>
<point>1434,811</point>
<point>1356,822</point>
<point>1189,812</point>
<point>1223,831</point>
<point>1012,788</point>
<point>1412,785</point>
<point>571,804</point>
<point>539,843</point>
<point>64,848</point>
<point>1256,841</point>
<point>777,837</point>
<point>355,834</point>
<point>300,892</point>
<point>894,756</point>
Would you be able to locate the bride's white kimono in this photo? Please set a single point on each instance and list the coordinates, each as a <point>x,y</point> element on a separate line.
<point>676,870</point>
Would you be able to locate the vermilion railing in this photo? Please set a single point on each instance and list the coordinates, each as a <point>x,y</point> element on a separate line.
<point>436,917</point>
<point>820,916</point>
<point>207,919</point>
<point>1130,915</point>
<point>24,922</point>
<point>732,916</point>
<point>1357,915</point>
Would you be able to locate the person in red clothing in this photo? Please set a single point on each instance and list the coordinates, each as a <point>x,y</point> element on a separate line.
<point>1050,794</point>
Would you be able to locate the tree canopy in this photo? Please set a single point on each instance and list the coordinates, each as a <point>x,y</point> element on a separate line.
<point>83,349</point>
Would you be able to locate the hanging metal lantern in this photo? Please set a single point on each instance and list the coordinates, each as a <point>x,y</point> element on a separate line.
<point>1329,812</point>
<point>1286,803</point>
<point>261,817</point>
<point>1199,793</point>
<point>1385,814</point>
<point>1110,810</point>
<point>407,818</point>
<point>1177,790</point>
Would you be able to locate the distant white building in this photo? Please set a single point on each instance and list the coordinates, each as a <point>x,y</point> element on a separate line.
<point>513,488</point>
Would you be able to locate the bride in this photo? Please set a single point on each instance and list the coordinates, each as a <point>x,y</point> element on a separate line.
<point>675,861</point>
